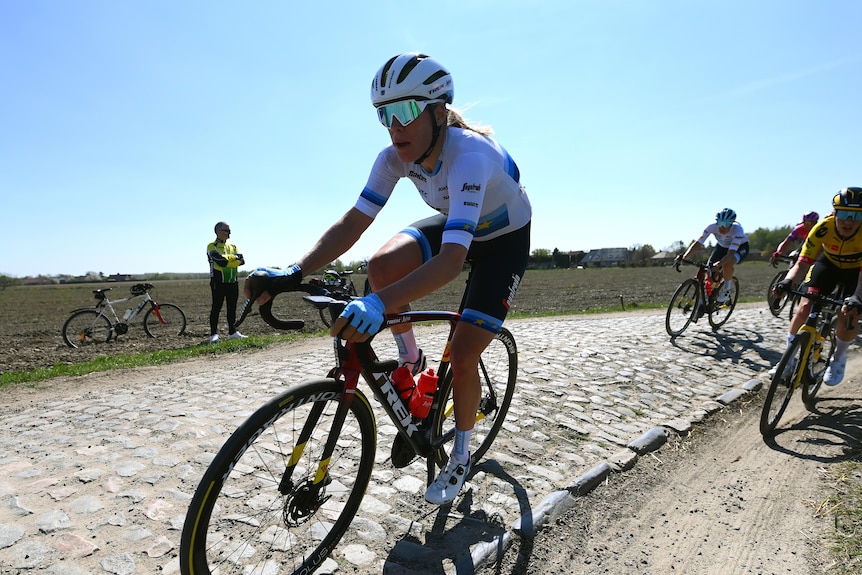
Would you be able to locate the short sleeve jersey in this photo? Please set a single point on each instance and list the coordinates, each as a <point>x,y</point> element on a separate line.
<point>798,234</point>
<point>844,253</point>
<point>476,185</point>
<point>734,237</point>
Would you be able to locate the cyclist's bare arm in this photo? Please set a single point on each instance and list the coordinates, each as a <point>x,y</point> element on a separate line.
<point>339,238</point>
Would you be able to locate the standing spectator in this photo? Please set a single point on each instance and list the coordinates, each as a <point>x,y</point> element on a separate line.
<point>224,259</point>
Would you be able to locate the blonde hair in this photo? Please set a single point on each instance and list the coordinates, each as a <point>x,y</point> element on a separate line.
<point>454,119</point>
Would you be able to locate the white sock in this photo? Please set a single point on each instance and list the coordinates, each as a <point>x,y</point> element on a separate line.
<point>461,450</point>
<point>841,348</point>
<point>408,351</point>
<point>790,337</point>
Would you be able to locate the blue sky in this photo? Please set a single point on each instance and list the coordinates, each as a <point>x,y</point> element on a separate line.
<point>129,129</point>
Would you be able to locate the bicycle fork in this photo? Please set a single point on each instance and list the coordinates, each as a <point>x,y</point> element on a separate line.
<point>814,341</point>
<point>305,499</point>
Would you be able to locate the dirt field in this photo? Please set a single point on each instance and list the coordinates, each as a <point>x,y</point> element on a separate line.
<point>31,318</point>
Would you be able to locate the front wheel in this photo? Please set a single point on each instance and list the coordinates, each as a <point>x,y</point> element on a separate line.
<point>720,311</point>
<point>781,387</point>
<point>269,503</point>
<point>498,372</point>
<point>682,308</point>
<point>164,320</point>
<point>86,327</point>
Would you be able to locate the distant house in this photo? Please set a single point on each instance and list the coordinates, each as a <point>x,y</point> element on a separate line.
<point>121,278</point>
<point>662,258</point>
<point>606,257</point>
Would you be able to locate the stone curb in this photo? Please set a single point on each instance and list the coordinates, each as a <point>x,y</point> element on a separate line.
<point>560,501</point>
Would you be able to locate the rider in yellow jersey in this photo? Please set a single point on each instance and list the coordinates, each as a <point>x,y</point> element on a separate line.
<point>832,257</point>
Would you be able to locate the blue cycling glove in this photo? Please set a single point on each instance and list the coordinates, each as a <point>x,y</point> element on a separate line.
<point>275,280</point>
<point>366,314</point>
<point>275,272</point>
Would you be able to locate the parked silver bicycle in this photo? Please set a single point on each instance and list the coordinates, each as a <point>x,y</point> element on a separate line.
<point>88,326</point>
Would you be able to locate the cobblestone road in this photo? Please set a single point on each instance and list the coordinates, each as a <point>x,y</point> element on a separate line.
<point>96,479</point>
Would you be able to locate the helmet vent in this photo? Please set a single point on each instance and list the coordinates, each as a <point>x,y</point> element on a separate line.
<point>435,76</point>
<point>408,67</point>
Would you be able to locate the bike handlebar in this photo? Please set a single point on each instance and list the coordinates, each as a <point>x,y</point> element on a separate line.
<point>318,295</point>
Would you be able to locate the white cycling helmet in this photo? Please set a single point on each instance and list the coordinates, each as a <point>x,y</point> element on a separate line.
<point>412,76</point>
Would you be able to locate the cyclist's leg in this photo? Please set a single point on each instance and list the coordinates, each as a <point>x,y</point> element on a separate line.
<point>844,335</point>
<point>497,267</point>
<point>402,254</point>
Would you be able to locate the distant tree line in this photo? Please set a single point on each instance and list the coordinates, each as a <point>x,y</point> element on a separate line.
<point>763,242</point>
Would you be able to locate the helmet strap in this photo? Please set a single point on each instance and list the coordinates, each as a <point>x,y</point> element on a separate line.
<point>435,134</point>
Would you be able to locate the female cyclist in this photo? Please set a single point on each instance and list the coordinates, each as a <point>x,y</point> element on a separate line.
<point>483,219</point>
<point>731,249</point>
<point>797,234</point>
<point>831,257</point>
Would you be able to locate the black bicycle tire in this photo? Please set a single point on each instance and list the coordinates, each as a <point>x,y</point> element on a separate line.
<point>256,449</point>
<point>74,340</point>
<point>490,365</point>
<point>782,383</point>
<point>714,311</point>
<point>776,311</point>
<point>324,316</point>
<point>168,309</point>
<point>814,375</point>
<point>671,307</point>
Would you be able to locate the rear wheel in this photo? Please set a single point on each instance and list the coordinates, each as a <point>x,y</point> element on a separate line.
<point>781,387</point>
<point>682,307</point>
<point>498,372</point>
<point>776,304</point>
<point>268,503</point>
<point>166,321</point>
<point>720,312</point>
<point>86,327</point>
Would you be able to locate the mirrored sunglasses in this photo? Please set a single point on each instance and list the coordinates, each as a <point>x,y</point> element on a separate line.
<point>852,215</point>
<point>404,111</point>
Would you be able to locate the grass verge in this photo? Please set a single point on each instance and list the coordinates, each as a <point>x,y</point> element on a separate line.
<point>131,361</point>
<point>844,540</point>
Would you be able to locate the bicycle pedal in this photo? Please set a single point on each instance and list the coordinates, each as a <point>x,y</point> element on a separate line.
<point>402,453</point>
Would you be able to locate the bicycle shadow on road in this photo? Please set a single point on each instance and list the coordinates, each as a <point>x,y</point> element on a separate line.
<point>829,434</point>
<point>456,529</point>
<point>738,345</point>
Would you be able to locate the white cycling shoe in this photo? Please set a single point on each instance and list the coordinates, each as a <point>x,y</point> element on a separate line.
<point>448,483</point>
<point>834,373</point>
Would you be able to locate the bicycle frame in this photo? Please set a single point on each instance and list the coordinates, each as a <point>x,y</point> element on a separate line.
<point>359,360</point>
<point>812,325</point>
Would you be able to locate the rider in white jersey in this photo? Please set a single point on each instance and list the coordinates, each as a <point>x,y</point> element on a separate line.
<point>475,184</point>
<point>483,219</point>
<point>731,249</point>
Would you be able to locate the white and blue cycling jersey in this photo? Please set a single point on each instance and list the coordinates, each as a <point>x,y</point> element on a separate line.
<point>475,184</point>
<point>732,240</point>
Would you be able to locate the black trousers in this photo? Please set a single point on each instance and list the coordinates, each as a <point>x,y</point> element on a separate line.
<point>222,293</point>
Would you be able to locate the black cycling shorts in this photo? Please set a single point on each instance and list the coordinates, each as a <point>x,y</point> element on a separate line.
<point>824,276</point>
<point>496,269</point>
<point>719,252</point>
